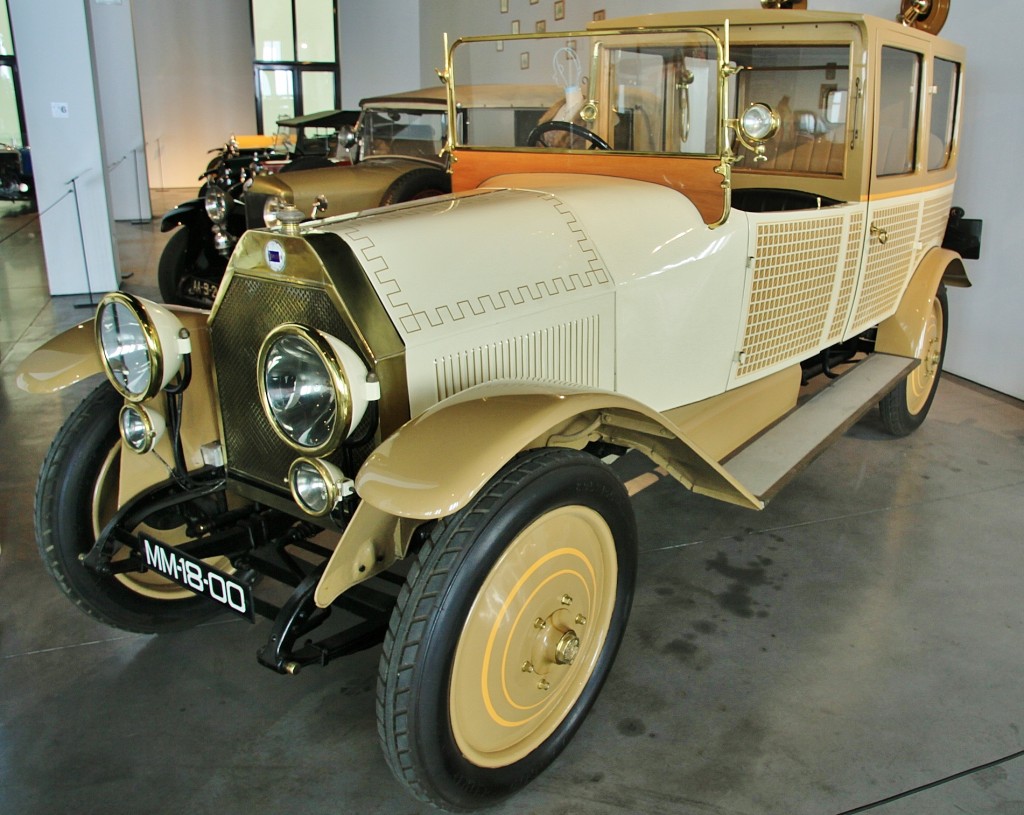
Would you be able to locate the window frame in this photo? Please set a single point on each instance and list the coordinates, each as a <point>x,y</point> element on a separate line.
<point>295,67</point>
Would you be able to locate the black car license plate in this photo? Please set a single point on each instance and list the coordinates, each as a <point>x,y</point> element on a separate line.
<point>197,287</point>
<point>197,576</point>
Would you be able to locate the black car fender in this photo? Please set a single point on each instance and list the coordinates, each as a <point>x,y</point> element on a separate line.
<point>185,214</point>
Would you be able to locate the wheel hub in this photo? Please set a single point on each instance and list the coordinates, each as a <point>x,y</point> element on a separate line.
<point>567,648</point>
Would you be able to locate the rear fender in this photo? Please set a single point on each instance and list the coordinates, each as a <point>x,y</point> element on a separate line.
<point>903,333</point>
<point>434,465</point>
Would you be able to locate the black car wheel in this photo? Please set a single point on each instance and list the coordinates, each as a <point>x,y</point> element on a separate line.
<point>76,495</point>
<point>506,628</point>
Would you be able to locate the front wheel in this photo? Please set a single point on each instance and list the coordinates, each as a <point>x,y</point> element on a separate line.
<point>76,496</point>
<point>905,407</point>
<point>506,629</point>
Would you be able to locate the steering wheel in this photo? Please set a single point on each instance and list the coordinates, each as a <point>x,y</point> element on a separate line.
<point>536,137</point>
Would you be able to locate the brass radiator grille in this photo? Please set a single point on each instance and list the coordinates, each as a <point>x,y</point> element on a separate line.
<point>250,309</point>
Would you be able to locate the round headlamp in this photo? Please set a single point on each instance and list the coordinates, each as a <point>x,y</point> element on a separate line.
<point>140,344</point>
<point>312,386</point>
<point>141,427</point>
<point>759,122</point>
<point>317,486</point>
<point>271,207</point>
<point>216,203</point>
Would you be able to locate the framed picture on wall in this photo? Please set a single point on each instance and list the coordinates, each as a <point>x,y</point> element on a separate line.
<point>542,26</point>
<point>599,14</point>
<point>503,6</point>
<point>524,60</point>
<point>515,26</point>
<point>559,9</point>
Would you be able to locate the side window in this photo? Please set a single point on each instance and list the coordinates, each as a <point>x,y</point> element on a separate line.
<point>940,130</point>
<point>897,111</point>
<point>808,86</point>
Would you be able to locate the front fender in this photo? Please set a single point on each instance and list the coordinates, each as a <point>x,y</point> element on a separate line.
<point>434,464</point>
<point>73,356</point>
<point>185,213</point>
<point>61,361</point>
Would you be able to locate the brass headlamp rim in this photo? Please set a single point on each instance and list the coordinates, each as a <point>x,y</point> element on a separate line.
<point>333,480</point>
<point>154,351</point>
<point>147,424</point>
<point>339,382</point>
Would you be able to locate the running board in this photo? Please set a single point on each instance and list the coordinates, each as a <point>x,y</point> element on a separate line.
<point>765,465</point>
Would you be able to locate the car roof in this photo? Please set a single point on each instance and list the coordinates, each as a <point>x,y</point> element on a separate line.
<point>750,17</point>
<point>324,118</point>
<point>470,96</point>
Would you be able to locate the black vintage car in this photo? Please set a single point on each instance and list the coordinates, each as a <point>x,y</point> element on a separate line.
<point>196,255</point>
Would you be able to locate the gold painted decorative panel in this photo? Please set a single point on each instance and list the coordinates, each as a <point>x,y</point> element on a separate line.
<point>793,282</point>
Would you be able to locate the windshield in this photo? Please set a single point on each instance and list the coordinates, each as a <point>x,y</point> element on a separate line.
<point>644,93</point>
<point>387,132</point>
<point>309,140</point>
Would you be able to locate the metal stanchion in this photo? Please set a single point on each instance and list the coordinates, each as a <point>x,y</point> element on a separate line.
<point>81,239</point>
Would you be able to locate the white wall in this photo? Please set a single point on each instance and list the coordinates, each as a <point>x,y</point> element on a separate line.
<point>120,109</point>
<point>986,332</point>
<point>380,48</point>
<point>195,74</point>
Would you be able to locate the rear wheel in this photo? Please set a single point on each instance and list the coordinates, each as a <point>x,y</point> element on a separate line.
<point>423,182</point>
<point>905,407</point>
<point>506,629</point>
<point>76,496</point>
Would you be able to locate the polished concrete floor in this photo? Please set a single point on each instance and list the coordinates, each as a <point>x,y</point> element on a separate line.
<point>861,638</point>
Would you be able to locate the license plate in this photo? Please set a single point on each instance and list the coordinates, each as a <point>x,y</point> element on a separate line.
<point>197,576</point>
<point>197,287</point>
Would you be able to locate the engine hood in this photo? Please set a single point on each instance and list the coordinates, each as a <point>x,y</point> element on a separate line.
<point>347,187</point>
<point>478,284</point>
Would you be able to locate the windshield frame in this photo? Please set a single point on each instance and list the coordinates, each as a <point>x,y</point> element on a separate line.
<point>718,36</point>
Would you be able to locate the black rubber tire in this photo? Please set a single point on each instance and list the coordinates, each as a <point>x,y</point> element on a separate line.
<point>894,408</point>
<point>64,526</point>
<point>307,163</point>
<point>414,717</point>
<point>423,182</point>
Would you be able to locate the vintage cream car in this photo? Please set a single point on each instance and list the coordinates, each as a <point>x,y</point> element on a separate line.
<point>400,415</point>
